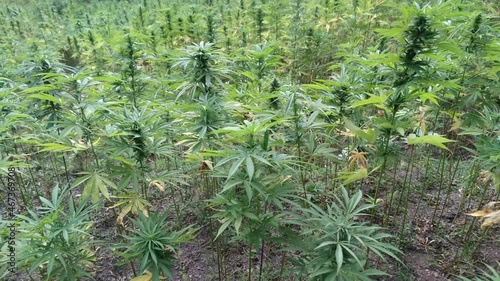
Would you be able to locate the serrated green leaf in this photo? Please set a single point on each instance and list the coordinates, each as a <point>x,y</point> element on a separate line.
<point>237,224</point>
<point>222,228</point>
<point>373,99</point>
<point>42,88</point>
<point>324,244</point>
<point>436,140</point>
<point>95,184</point>
<point>370,135</point>
<point>235,167</point>
<point>250,167</point>
<point>451,47</point>
<point>354,176</point>
<point>339,257</point>
<point>55,147</point>
<point>390,32</point>
<point>45,97</point>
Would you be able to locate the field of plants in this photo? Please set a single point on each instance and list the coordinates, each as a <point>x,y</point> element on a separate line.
<point>250,140</point>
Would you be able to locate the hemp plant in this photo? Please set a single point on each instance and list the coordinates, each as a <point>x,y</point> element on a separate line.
<point>259,63</point>
<point>204,70</point>
<point>248,194</point>
<point>131,83</point>
<point>332,243</point>
<point>154,244</point>
<point>408,80</point>
<point>55,240</point>
<point>137,138</point>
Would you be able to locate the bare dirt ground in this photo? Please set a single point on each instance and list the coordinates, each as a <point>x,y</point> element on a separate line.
<point>432,251</point>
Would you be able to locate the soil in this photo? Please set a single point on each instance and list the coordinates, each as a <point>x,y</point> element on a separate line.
<point>435,256</point>
<point>432,249</point>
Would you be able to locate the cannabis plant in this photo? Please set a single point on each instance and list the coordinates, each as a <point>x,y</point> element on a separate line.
<point>335,244</point>
<point>55,239</point>
<point>153,244</point>
<point>260,62</point>
<point>202,63</point>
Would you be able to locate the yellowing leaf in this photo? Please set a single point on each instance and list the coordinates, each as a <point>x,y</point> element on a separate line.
<point>132,202</point>
<point>357,157</point>
<point>491,219</point>
<point>148,276</point>
<point>480,213</point>
<point>491,205</point>
<point>429,96</point>
<point>144,211</point>
<point>455,126</point>
<point>55,147</point>
<point>488,214</point>
<point>123,213</point>
<point>354,176</point>
<point>158,185</point>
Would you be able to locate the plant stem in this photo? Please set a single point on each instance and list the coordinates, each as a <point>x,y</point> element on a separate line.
<point>133,268</point>
<point>249,262</point>
<point>384,161</point>
<point>389,207</point>
<point>407,197</point>
<point>440,188</point>
<point>176,206</point>
<point>423,187</point>
<point>282,267</point>
<point>219,258</point>
<point>448,192</point>
<point>263,243</point>
<point>468,190</point>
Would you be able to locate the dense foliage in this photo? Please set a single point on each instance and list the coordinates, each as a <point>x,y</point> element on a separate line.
<point>321,140</point>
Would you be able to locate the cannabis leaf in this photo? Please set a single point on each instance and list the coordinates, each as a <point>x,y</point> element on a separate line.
<point>436,140</point>
<point>96,183</point>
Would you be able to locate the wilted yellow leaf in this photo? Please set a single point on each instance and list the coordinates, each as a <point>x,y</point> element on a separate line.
<point>491,219</point>
<point>480,213</point>
<point>144,211</point>
<point>455,126</point>
<point>353,176</point>
<point>131,202</point>
<point>490,216</point>
<point>123,213</point>
<point>358,158</point>
<point>158,185</point>
<point>347,133</point>
<point>491,206</point>
<point>145,277</point>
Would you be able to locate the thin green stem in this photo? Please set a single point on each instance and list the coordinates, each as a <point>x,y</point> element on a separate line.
<point>440,188</point>
<point>384,161</point>
<point>473,172</point>
<point>174,200</point>
<point>249,262</point>
<point>423,186</point>
<point>448,192</point>
<point>407,198</point>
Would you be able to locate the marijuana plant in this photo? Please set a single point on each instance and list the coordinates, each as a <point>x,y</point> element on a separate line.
<point>334,244</point>
<point>154,244</point>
